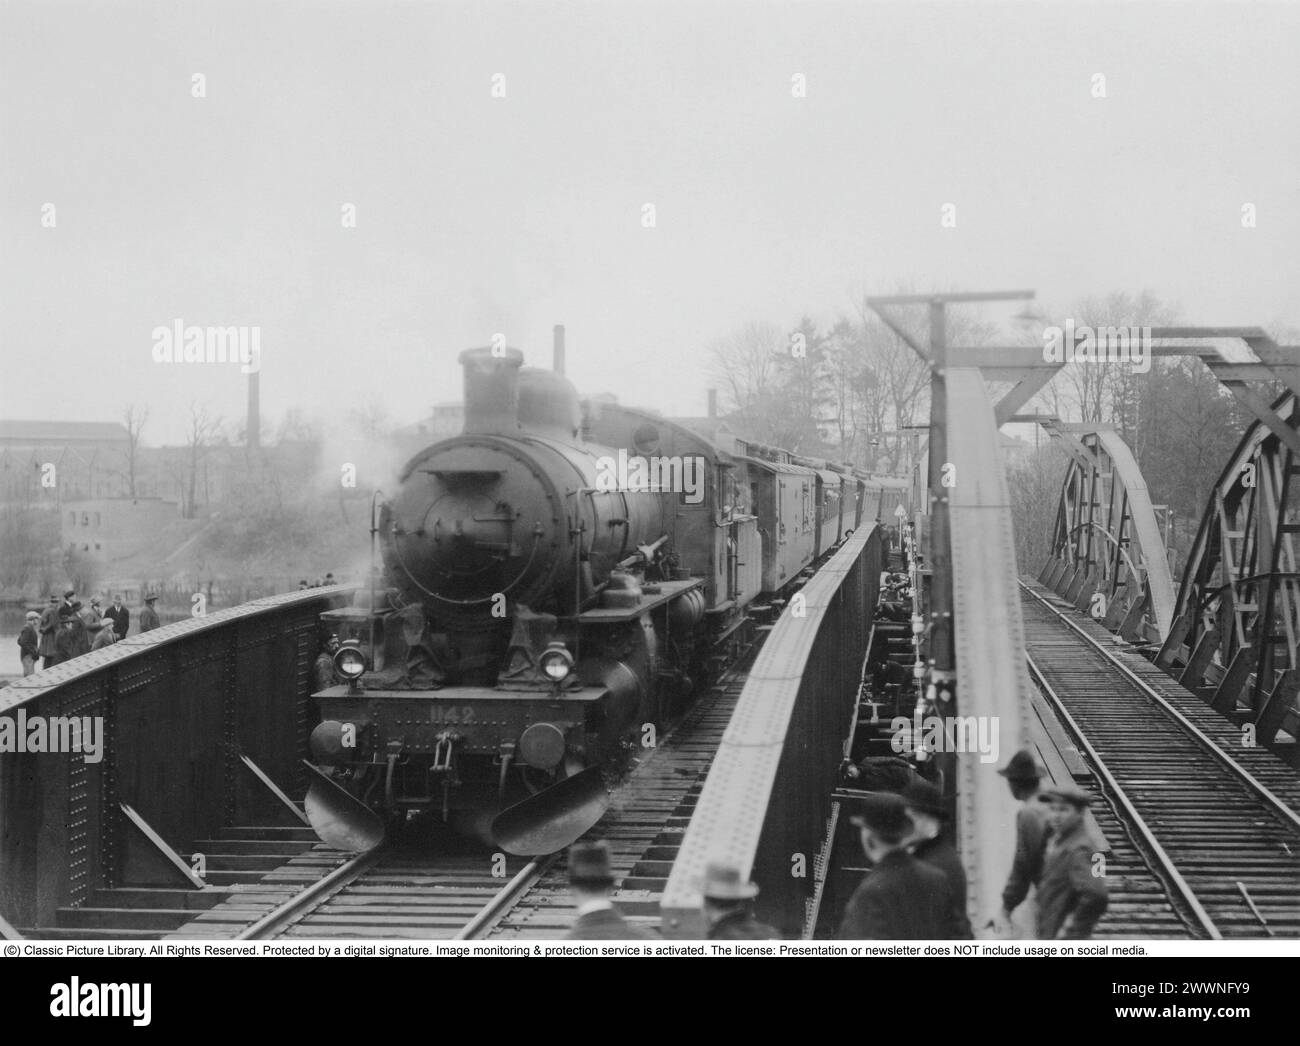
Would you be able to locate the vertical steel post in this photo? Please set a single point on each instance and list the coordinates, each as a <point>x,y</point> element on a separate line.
<point>942,653</point>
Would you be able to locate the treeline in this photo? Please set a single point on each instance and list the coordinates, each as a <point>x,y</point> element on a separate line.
<point>844,390</point>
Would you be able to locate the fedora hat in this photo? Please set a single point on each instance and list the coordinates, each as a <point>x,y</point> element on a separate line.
<point>884,814</point>
<point>723,882</point>
<point>589,865</point>
<point>1022,767</point>
<point>1068,792</point>
<point>921,795</point>
<point>149,597</point>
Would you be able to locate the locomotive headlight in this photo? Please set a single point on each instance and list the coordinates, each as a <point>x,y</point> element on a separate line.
<point>349,661</point>
<point>556,662</point>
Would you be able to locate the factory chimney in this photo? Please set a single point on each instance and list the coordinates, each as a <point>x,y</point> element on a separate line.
<point>713,403</point>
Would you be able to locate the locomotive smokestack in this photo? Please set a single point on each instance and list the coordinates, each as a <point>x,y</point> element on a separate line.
<point>558,362</point>
<point>492,390</point>
<point>713,403</point>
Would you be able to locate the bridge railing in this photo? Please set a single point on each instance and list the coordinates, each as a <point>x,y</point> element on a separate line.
<point>766,805</point>
<point>170,713</point>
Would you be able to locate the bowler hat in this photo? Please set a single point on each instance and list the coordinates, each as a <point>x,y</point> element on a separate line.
<point>1068,792</point>
<point>150,597</point>
<point>1022,767</point>
<point>884,814</point>
<point>589,865</point>
<point>722,882</point>
<point>921,795</point>
<point>69,593</point>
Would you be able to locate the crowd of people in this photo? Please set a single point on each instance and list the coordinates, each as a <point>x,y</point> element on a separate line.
<point>915,888</point>
<point>66,628</point>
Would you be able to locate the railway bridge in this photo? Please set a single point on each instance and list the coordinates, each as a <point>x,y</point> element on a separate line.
<point>1168,690</point>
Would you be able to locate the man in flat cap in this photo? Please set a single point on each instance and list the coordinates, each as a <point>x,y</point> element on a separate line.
<point>103,634</point>
<point>901,898</point>
<point>1071,896</point>
<point>932,843</point>
<point>592,882</point>
<point>29,642</point>
<point>729,906</point>
<point>1024,777</point>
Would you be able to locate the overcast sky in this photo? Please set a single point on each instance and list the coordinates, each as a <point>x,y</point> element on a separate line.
<point>478,215</point>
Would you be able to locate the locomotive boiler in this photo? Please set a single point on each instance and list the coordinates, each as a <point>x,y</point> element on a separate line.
<point>557,581</point>
<point>535,625</point>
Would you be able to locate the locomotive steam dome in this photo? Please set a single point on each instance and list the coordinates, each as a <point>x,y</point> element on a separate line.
<point>482,514</point>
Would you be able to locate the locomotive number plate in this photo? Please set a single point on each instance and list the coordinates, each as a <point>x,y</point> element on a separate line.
<point>450,715</point>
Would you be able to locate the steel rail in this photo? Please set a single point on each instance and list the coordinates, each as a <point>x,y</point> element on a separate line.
<point>506,898</point>
<point>305,902</point>
<point>1191,728</point>
<point>1148,836</point>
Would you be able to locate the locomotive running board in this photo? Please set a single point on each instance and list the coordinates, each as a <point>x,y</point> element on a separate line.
<point>339,818</point>
<point>553,818</point>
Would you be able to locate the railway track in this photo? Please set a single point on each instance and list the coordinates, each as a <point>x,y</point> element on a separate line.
<point>1216,823</point>
<point>466,891</point>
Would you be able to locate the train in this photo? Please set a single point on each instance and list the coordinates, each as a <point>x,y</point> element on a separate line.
<point>558,581</point>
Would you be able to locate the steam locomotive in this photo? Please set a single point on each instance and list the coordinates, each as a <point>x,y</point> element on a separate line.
<point>557,582</point>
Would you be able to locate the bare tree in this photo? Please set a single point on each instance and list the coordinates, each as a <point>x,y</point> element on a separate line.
<point>745,366</point>
<point>133,418</point>
<point>204,430</point>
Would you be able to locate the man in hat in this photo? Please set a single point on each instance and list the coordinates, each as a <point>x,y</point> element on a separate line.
<point>901,898</point>
<point>302,584</point>
<point>71,641</point>
<point>1024,777</point>
<point>149,616</point>
<point>932,843</point>
<point>591,882</point>
<point>104,635</point>
<point>80,633</point>
<point>329,580</point>
<point>49,630</point>
<point>92,615</point>
<point>1071,897</point>
<point>119,615</point>
<point>29,642</point>
<point>729,908</point>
